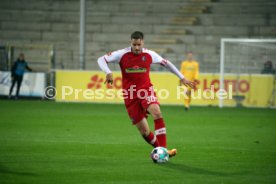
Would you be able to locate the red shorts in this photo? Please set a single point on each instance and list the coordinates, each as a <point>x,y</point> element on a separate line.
<point>137,107</point>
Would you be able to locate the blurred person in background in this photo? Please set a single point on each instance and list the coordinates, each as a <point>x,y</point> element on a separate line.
<point>17,73</point>
<point>190,69</point>
<point>268,68</point>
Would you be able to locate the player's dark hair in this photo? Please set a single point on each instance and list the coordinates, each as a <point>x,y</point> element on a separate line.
<point>137,35</point>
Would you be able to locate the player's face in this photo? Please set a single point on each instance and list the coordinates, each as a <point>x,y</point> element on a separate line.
<point>137,45</point>
<point>190,56</point>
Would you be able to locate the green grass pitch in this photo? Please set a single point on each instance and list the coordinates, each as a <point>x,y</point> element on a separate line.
<point>46,142</point>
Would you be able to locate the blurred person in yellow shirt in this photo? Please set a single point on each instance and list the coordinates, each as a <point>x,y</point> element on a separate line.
<point>190,69</point>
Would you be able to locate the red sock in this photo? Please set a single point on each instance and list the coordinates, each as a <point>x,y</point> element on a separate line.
<point>160,132</point>
<point>151,139</point>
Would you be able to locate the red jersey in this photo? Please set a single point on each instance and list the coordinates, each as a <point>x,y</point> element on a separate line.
<point>137,88</point>
<point>135,68</point>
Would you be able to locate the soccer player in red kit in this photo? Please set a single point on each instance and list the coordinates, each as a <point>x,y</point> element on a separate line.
<point>140,99</point>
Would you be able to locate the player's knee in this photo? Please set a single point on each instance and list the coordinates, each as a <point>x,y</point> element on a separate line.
<point>156,114</point>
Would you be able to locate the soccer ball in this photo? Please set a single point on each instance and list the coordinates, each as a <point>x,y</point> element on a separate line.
<point>159,155</point>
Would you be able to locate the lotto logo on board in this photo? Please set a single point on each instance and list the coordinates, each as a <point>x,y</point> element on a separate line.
<point>97,82</point>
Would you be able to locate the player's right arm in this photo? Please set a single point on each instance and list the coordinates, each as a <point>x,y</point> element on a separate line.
<point>112,57</point>
<point>102,62</point>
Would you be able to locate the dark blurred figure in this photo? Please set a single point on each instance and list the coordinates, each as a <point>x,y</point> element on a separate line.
<point>268,68</point>
<point>17,73</point>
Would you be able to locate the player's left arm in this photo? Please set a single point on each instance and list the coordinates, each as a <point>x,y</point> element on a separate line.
<point>171,67</point>
<point>167,64</point>
<point>196,70</point>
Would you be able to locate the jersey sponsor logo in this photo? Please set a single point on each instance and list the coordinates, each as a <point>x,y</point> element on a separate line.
<point>136,69</point>
<point>191,68</point>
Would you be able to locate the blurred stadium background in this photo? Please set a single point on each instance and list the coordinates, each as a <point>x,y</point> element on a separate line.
<point>171,27</point>
<point>47,31</point>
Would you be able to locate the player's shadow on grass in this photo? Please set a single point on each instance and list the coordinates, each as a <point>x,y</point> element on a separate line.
<point>196,170</point>
<point>6,170</point>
